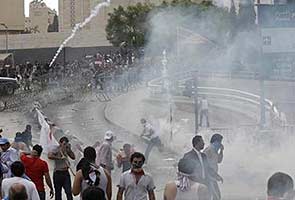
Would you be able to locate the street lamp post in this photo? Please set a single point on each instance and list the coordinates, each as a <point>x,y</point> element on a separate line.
<point>166,85</point>
<point>6,36</point>
<point>195,95</point>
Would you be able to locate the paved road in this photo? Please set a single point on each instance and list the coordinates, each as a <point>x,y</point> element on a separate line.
<point>86,121</point>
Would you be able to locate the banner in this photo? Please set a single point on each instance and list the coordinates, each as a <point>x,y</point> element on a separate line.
<point>278,40</point>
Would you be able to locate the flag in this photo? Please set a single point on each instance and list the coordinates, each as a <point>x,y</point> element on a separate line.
<point>47,140</point>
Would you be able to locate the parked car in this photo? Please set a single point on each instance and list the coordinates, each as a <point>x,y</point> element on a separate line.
<point>8,85</point>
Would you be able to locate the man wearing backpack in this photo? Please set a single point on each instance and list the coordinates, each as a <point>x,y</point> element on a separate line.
<point>90,175</point>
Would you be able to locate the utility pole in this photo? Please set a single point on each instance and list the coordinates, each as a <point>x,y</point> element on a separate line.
<point>262,75</point>
<point>6,36</point>
<point>195,95</point>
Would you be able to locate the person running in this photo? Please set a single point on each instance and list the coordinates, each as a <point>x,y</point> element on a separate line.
<point>135,183</point>
<point>61,175</point>
<point>90,174</point>
<point>152,134</point>
<point>186,186</point>
<point>36,169</point>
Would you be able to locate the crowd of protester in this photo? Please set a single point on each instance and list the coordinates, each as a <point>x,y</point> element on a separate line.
<point>113,71</point>
<point>23,171</point>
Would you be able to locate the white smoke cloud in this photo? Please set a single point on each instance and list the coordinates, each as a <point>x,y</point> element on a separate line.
<point>251,156</point>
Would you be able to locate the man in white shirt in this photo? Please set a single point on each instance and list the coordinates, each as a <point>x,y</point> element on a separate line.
<point>7,156</point>
<point>135,184</point>
<point>153,135</point>
<point>18,170</point>
<point>104,156</point>
<point>204,111</point>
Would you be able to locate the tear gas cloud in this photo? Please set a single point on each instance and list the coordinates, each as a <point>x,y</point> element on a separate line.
<point>202,43</point>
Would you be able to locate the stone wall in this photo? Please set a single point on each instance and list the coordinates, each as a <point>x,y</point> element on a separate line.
<point>51,40</point>
<point>46,54</point>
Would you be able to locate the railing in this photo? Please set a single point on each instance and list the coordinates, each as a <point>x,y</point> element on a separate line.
<point>105,86</point>
<point>156,88</point>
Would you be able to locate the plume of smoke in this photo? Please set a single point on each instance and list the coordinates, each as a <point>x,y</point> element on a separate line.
<point>183,39</point>
<point>79,26</point>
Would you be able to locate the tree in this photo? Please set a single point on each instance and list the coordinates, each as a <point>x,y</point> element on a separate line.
<point>131,25</point>
<point>233,20</point>
<point>128,25</point>
<point>34,29</point>
<point>246,16</point>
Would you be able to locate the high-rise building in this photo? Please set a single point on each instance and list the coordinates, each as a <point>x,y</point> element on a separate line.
<point>72,12</point>
<point>12,14</point>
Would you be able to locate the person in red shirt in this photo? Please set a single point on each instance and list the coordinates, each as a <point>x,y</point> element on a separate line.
<point>36,168</point>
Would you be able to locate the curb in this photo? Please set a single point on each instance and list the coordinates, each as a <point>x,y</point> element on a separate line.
<point>112,122</point>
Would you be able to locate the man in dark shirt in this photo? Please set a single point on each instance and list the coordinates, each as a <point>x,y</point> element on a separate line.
<point>204,173</point>
<point>123,157</point>
<point>27,136</point>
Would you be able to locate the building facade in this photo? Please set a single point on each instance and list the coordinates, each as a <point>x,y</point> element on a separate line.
<point>40,16</point>
<point>72,12</point>
<point>12,15</point>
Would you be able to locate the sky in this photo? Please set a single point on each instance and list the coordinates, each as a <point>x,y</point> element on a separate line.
<point>50,3</point>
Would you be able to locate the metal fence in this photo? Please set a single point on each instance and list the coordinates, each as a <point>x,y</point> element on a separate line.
<point>105,85</point>
<point>178,88</point>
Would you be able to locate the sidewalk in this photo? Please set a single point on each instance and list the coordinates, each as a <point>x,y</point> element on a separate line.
<point>127,110</point>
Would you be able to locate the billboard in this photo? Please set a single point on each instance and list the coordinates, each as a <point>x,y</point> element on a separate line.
<point>270,16</point>
<point>278,40</point>
<point>12,14</point>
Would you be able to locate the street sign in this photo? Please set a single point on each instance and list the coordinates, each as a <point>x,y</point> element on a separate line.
<point>278,40</point>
